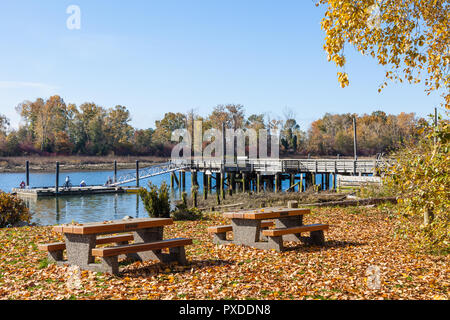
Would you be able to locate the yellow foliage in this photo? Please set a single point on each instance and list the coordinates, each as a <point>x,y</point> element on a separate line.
<point>409,37</point>
<point>421,178</point>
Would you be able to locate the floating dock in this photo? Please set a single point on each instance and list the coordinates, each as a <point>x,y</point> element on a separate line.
<point>88,190</point>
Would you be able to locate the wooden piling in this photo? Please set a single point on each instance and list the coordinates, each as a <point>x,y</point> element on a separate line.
<point>258,182</point>
<point>183,180</point>
<point>205,186</point>
<point>57,179</point>
<point>137,173</point>
<point>209,183</point>
<point>222,185</point>
<point>27,173</point>
<point>115,171</point>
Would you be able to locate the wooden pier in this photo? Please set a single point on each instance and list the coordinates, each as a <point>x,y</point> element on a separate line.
<point>257,175</point>
<point>227,176</point>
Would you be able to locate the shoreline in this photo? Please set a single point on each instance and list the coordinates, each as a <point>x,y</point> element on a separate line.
<point>74,163</point>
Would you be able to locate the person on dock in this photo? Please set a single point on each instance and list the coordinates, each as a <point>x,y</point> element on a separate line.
<point>83,183</point>
<point>109,181</point>
<point>22,185</point>
<point>67,184</point>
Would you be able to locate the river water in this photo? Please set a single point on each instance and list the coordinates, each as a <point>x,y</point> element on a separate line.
<point>88,208</point>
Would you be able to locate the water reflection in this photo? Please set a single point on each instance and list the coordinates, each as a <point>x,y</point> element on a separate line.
<point>57,210</point>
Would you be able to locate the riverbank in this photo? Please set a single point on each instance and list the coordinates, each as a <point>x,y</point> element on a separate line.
<point>75,163</point>
<point>357,241</point>
<point>246,200</point>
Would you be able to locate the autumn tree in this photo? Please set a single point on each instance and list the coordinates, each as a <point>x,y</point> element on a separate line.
<point>4,124</point>
<point>421,179</point>
<point>45,118</point>
<point>165,127</point>
<point>410,38</point>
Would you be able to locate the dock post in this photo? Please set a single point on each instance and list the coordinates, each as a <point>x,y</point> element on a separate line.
<point>205,187</point>
<point>222,184</point>
<point>244,182</point>
<point>172,182</point>
<point>258,182</point>
<point>300,186</point>
<point>115,171</point>
<point>183,180</point>
<point>57,179</point>
<point>292,182</point>
<point>277,182</point>
<point>27,174</point>
<point>209,183</point>
<point>334,181</point>
<point>137,173</point>
<point>232,183</point>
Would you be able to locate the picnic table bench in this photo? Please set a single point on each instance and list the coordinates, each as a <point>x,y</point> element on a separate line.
<point>249,228</point>
<point>81,241</point>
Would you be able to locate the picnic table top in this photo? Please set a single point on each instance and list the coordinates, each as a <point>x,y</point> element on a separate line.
<point>266,213</point>
<point>113,226</point>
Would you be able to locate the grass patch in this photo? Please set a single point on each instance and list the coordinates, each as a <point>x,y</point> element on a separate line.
<point>43,263</point>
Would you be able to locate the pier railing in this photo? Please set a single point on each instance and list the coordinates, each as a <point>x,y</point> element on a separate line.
<point>271,166</point>
<point>148,172</point>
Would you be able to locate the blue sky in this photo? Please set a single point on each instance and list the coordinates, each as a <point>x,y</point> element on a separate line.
<point>161,56</point>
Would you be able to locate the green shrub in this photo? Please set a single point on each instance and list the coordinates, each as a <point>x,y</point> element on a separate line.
<point>12,210</point>
<point>183,213</point>
<point>156,200</point>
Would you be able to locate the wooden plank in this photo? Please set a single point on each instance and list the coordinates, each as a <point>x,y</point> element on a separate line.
<point>139,247</point>
<point>220,229</point>
<point>226,228</point>
<point>114,226</point>
<point>277,214</point>
<point>115,239</point>
<point>57,246</point>
<point>294,230</point>
<point>266,213</point>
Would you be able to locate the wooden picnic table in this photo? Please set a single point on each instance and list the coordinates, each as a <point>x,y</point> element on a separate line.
<point>247,225</point>
<point>80,241</point>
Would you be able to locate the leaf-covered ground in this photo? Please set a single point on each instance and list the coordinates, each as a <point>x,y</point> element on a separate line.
<point>357,239</point>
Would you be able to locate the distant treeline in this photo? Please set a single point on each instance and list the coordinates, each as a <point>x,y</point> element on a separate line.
<point>52,127</point>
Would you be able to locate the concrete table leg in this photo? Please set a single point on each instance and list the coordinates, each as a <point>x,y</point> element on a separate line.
<point>245,231</point>
<point>275,243</point>
<point>55,256</point>
<point>219,238</point>
<point>109,265</point>
<point>289,222</point>
<point>148,235</point>
<point>79,248</point>
<point>317,238</point>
